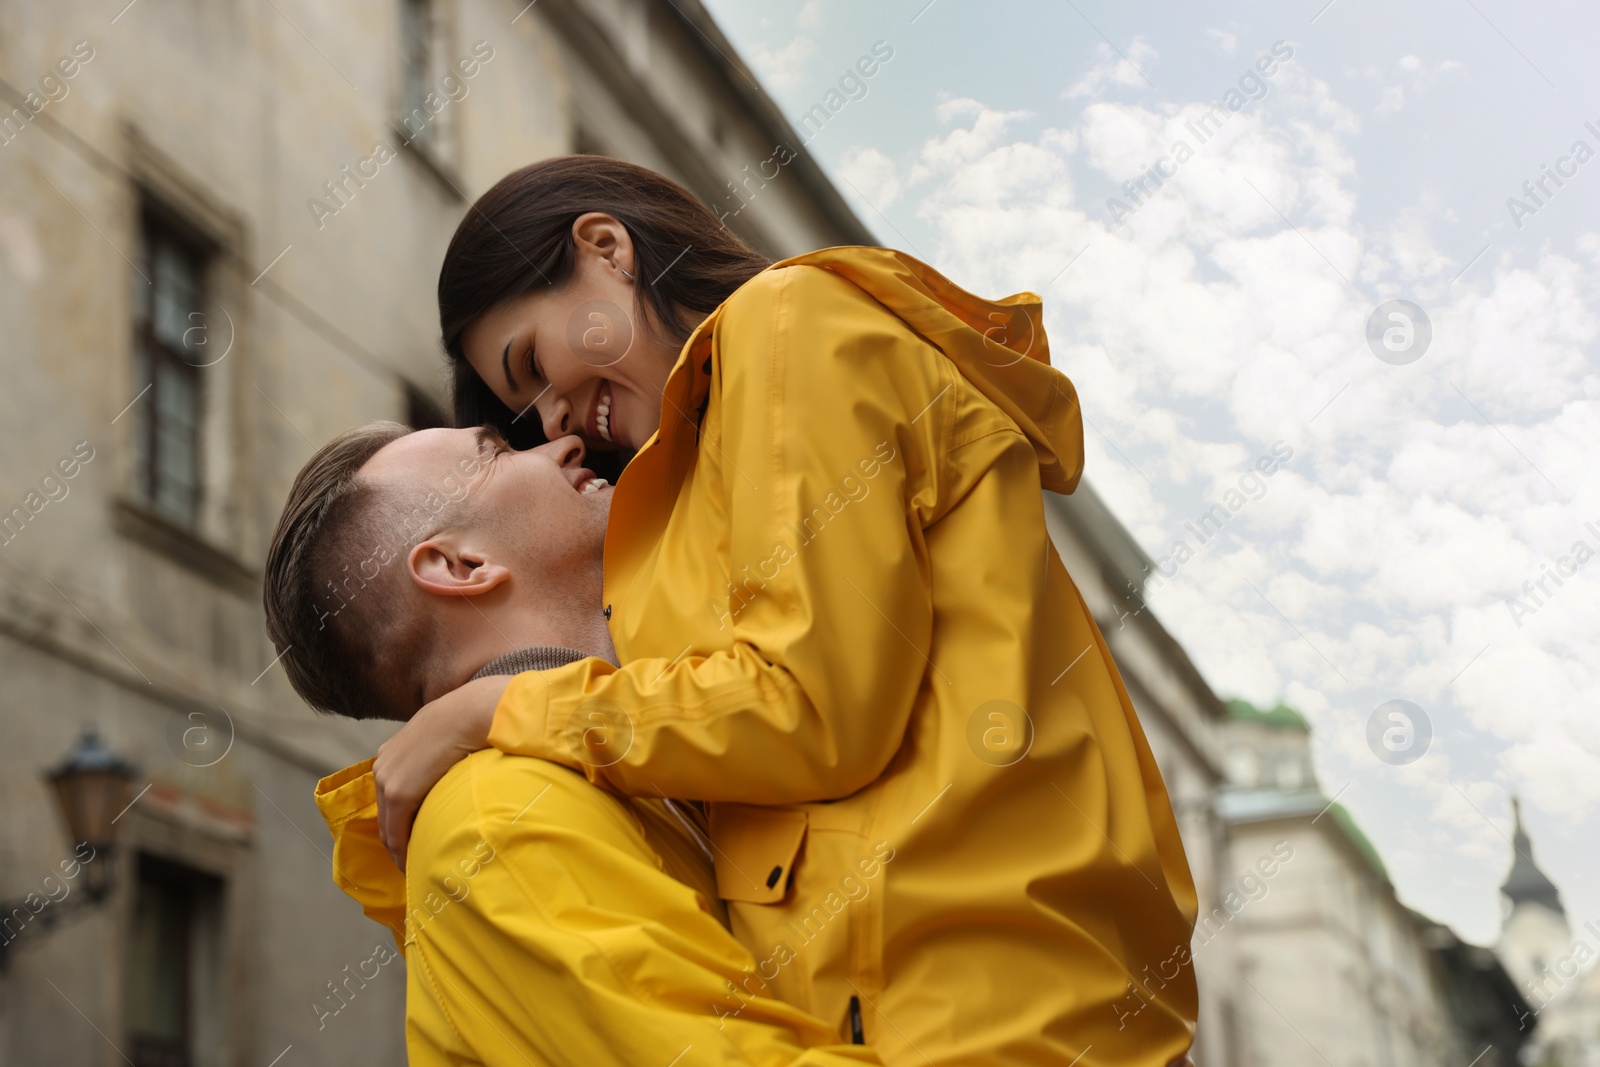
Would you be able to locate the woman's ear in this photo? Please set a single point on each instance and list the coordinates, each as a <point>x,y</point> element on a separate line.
<point>604,236</point>
<point>443,566</point>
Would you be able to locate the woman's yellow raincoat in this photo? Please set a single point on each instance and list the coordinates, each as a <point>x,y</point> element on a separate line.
<point>841,622</point>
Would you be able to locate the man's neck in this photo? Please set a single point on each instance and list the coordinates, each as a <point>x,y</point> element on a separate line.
<point>473,634</point>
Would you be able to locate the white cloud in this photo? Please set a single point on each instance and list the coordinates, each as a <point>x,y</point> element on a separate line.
<point>871,174</point>
<point>1228,311</point>
<point>788,66</point>
<point>1227,43</point>
<point>1412,75</point>
<point>1129,69</point>
<point>1425,77</point>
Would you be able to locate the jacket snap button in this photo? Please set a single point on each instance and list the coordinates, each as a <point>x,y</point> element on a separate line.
<point>772,879</point>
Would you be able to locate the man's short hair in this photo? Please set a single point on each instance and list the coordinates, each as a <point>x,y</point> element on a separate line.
<point>332,583</point>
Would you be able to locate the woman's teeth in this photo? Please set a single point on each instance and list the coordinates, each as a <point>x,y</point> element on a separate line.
<point>602,418</point>
<point>593,485</point>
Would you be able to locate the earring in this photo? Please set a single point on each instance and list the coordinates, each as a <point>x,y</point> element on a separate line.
<point>625,273</point>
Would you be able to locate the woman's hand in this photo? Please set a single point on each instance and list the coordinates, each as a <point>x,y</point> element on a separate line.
<point>409,764</point>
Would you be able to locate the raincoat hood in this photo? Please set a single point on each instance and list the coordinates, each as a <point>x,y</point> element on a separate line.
<point>998,345</point>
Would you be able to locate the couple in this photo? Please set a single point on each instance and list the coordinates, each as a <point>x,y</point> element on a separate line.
<point>798,744</point>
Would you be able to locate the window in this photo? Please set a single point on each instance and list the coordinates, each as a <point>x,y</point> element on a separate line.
<point>416,56</point>
<point>172,978</point>
<point>169,339</point>
<point>1244,768</point>
<point>1291,775</point>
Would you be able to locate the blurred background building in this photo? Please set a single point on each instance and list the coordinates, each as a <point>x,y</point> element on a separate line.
<point>1303,952</point>
<point>1550,962</point>
<point>219,232</point>
<point>220,229</point>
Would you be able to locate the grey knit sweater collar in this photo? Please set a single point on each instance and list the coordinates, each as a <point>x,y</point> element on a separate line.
<point>538,658</point>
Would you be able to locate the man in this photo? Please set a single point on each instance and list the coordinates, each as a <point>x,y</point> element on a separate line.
<point>542,919</point>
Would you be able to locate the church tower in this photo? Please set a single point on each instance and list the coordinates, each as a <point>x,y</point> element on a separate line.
<point>1534,934</point>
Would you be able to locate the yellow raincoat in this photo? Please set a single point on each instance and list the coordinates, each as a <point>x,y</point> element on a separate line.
<point>936,820</point>
<point>545,921</point>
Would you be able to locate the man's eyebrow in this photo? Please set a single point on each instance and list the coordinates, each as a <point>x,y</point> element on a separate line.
<point>487,436</point>
<point>505,365</point>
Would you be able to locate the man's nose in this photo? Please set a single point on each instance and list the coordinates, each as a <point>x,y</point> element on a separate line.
<point>566,451</point>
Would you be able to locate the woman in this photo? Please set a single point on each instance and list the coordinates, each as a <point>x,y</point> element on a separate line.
<point>839,618</point>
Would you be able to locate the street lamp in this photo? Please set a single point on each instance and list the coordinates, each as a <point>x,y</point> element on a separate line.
<point>92,786</point>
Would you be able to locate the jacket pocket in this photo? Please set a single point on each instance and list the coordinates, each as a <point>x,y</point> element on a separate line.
<point>756,849</point>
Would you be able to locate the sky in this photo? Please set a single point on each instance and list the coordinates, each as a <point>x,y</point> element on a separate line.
<point>1365,236</point>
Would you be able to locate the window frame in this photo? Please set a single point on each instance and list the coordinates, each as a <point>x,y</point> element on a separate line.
<point>225,534</point>
<point>200,896</point>
<point>436,145</point>
<point>417,44</point>
<point>151,357</point>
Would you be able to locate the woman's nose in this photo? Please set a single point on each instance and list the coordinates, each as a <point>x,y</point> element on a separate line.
<point>557,419</point>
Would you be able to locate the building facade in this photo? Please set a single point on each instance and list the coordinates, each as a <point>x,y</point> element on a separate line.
<point>1302,951</point>
<point>1552,965</point>
<point>220,227</point>
<point>1332,966</point>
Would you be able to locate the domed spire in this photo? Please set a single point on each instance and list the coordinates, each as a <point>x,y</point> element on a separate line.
<point>1527,884</point>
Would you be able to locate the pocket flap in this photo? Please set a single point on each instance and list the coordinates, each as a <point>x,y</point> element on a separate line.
<point>756,849</point>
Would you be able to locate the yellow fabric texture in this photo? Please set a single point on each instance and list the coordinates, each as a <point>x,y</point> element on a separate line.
<point>547,921</point>
<point>842,623</point>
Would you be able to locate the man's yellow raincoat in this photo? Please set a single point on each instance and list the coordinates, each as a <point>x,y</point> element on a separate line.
<point>841,622</point>
<point>548,922</point>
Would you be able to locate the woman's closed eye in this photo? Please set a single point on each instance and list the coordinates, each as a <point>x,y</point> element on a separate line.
<point>537,379</point>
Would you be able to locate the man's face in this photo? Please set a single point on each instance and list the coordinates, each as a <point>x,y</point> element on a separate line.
<point>542,508</point>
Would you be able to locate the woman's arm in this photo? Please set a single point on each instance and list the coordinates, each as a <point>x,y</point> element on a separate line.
<point>436,738</point>
<point>830,437</point>
<point>828,440</point>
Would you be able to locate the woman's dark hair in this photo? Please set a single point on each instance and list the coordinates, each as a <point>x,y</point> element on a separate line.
<point>518,237</point>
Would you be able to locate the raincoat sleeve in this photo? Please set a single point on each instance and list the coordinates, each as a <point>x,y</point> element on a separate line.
<point>544,929</point>
<point>348,801</point>
<point>830,435</point>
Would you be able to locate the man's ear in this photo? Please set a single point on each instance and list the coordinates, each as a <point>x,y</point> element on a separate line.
<point>444,565</point>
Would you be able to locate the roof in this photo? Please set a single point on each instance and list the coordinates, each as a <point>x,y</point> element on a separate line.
<point>596,41</point>
<point>1346,822</point>
<point>1481,998</point>
<point>1122,555</point>
<point>724,59</point>
<point>1260,805</point>
<point>1282,716</point>
<point>1526,883</point>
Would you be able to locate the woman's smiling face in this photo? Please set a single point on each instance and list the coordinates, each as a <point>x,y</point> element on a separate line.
<point>578,357</point>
